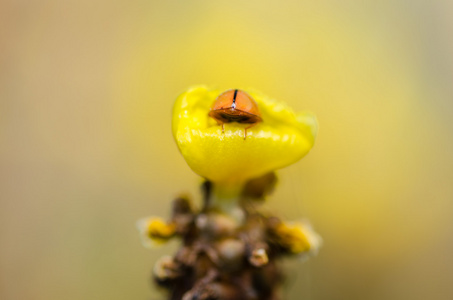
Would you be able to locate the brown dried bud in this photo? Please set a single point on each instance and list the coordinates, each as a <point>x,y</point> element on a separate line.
<point>214,291</point>
<point>181,205</point>
<point>182,215</point>
<point>258,188</point>
<point>216,224</point>
<point>258,257</point>
<point>166,270</point>
<point>231,253</point>
<point>228,252</point>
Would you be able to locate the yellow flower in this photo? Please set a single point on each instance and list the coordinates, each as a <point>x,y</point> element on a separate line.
<point>155,231</point>
<point>298,237</point>
<point>282,138</point>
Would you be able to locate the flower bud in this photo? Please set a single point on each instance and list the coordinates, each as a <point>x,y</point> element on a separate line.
<point>155,231</point>
<point>298,237</point>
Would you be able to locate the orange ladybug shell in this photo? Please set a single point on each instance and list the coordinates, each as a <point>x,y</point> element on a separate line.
<point>235,106</point>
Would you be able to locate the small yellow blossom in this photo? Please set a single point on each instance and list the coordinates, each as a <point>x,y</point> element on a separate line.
<point>155,231</point>
<point>282,138</point>
<point>298,237</point>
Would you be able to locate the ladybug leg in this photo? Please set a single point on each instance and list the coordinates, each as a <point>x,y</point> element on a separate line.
<point>223,127</point>
<point>245,130</point>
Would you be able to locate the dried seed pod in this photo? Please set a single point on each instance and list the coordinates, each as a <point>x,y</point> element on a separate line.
<point>224,258</point>
<point>215,291</point>
<point>231,253</point>
<point>181,205</point>
<point>186,256</point>
<point>258,257</point>
<point>258,188</point>
<point>182,215</point>
<point>166,270</point>
<point>216,224</point>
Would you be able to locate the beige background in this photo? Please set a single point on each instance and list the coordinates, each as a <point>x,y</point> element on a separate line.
<point>86,90</point>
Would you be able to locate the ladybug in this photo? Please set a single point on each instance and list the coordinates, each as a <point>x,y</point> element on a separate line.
<point>235,106</point>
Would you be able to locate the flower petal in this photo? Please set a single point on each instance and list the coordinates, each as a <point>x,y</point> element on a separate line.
<point>282,138</point>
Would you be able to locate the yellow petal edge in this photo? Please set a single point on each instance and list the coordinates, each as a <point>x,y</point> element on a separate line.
<point>281,139</point>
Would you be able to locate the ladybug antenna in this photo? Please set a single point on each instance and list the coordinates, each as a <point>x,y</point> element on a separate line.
<point>234,98</point>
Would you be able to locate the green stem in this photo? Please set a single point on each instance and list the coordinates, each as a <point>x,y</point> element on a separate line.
<point>225,197</point>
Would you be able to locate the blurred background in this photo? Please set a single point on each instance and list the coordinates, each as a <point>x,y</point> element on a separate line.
<point>86,92</point>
